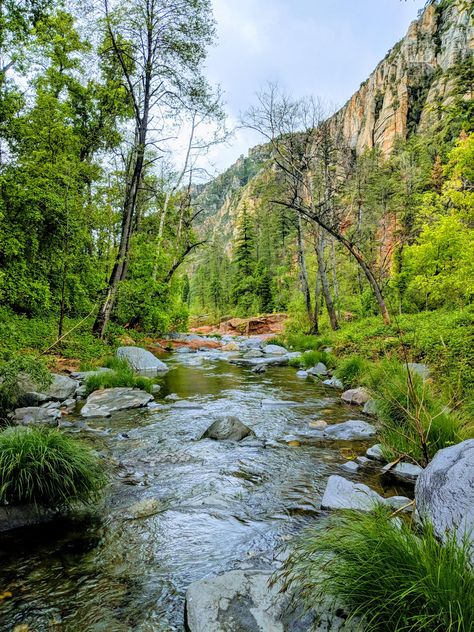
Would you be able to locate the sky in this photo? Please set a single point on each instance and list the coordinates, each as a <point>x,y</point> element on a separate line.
<point>324,48</point>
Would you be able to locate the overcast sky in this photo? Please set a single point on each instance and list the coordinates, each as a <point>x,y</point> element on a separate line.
<point>324,48</point>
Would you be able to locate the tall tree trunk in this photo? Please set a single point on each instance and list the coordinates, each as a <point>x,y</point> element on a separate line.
<point>335,283</point>
<point>319,248</point>
<point>304,276</point>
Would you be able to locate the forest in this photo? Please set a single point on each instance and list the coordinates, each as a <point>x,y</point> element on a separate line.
<point>338,484</point>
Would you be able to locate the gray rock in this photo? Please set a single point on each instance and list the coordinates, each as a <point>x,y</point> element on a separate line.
<point>260,369</point>
<point>420,369</point>
<point>23,516</point>
<point>51,405</point>
<point>156,388</point>
<point>62,387</point>
<point>375,453</point>
<point>244,601</point>
<point>228,429</point>
<point>302,374</point>
<point>81,391</point>
<point>319,369</point>
<point>370,408</point>
<point>268,361</point>
<point>363,461</point>
<point>350,466</point>
<point>343,494</point>
<point>104,402</point>
<point>184,350</point>
<point>33,415</point>
<point>144,508</point>
<point>357,396</point>
<point>82,376</point>
<point>400,502</point>
<point>142,360</point>
<point>444,491</point>
<point>294,355</point>
<point>274,350</point>
<point>254,353</point>
<point>334,382</point>
<point>405,472</point>
<point>352,430</point>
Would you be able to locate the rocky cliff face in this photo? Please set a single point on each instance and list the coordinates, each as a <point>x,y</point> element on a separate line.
<point>412,82</point>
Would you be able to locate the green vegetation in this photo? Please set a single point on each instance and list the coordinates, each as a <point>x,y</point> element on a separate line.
<point>352,371</point>
<point>45,467</point>
<point>120,375</point>
<point>15,370</point>
<point>385,572</point>
<point>311,358</point>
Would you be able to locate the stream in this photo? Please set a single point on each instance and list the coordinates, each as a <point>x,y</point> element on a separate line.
<point>222,505</point>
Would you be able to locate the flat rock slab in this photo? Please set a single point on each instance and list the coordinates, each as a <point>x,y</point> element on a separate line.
<point>104,402</point>
<point>343,494</point>
<point>356,396</point>
<point>352,430</point>
<point>444,491</point>
<point>34,415</point>
<point>243,601</point>
<point>228,429</point>
<point>142,361</point>
<point>268,361</point>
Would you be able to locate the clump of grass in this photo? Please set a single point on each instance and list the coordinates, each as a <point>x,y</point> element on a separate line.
<point>120,375</point>
<point>45,467</point>
<point>352,371</point>
<point>385,573</point>
<point>13,372</point>
<point>414,421</point>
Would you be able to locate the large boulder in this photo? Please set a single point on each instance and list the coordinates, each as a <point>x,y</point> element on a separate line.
<point>274,350</point>
<point>357,396</point>
<point>106,401</point>
<point>62,387</point>
<point>34,415</point>
<point>444,491</point>
<point>142,360</point>
<point>246,601</point>
<point>228,428</point>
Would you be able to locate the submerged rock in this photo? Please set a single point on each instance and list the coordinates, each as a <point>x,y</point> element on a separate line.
<point>144,508</point>
<point>352,430</point>
<point>106,401</point>
<point>34,415</point>
<point>142,360</point>
<point>357,396</point>
<point>444,492</point>
<point>228,429</point>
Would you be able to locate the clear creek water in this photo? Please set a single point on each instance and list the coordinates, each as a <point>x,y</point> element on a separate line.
<point>223,505</point>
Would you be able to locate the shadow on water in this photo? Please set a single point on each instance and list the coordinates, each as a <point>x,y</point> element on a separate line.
<point>221,505</point>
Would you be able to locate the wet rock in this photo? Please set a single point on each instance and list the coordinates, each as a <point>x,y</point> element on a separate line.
<point>405,472</point>
<point>356,396</point>
<point>228,429</point>
<point>334,382</point>
<point>106,401</point>
<point>245,601</point>
<point>278,403</point>
<point>444,492</point>
<point>142,360</point>
<point>274,350</point>
<point>33,415</point>
<point>375,453</point>
<point>260,369</point>
<point>343,494</point>
<point>172,397</point>
<point>363,461</point>
<point>23,515</point>
<point>144,508</point>
<point>420,369</point>
<point>352,430</point>
<point>154,405</point>
<point>318,370</point>
<point>350,466</point>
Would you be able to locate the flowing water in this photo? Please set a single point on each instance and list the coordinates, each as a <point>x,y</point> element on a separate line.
<point>222,505</point>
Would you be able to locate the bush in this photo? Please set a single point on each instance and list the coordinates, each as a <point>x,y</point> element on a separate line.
<point>384,572</point>
<point>11,373</point>
<point>45,467</point>
<point>352,371</point>
<point>413,420</point>
<point>121,375</point>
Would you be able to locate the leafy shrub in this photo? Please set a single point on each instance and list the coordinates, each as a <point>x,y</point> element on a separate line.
<point>352,371</point>
<point>384,572</point>
<point>11,373</point>
<point>45,467</point>
<point>120,375</point>
<point>413,420</point>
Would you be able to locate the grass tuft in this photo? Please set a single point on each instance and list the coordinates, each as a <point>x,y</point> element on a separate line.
<point>385,573</point>
<point>352,371</point>
<point>45,467</point>
<point>121,375</point>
